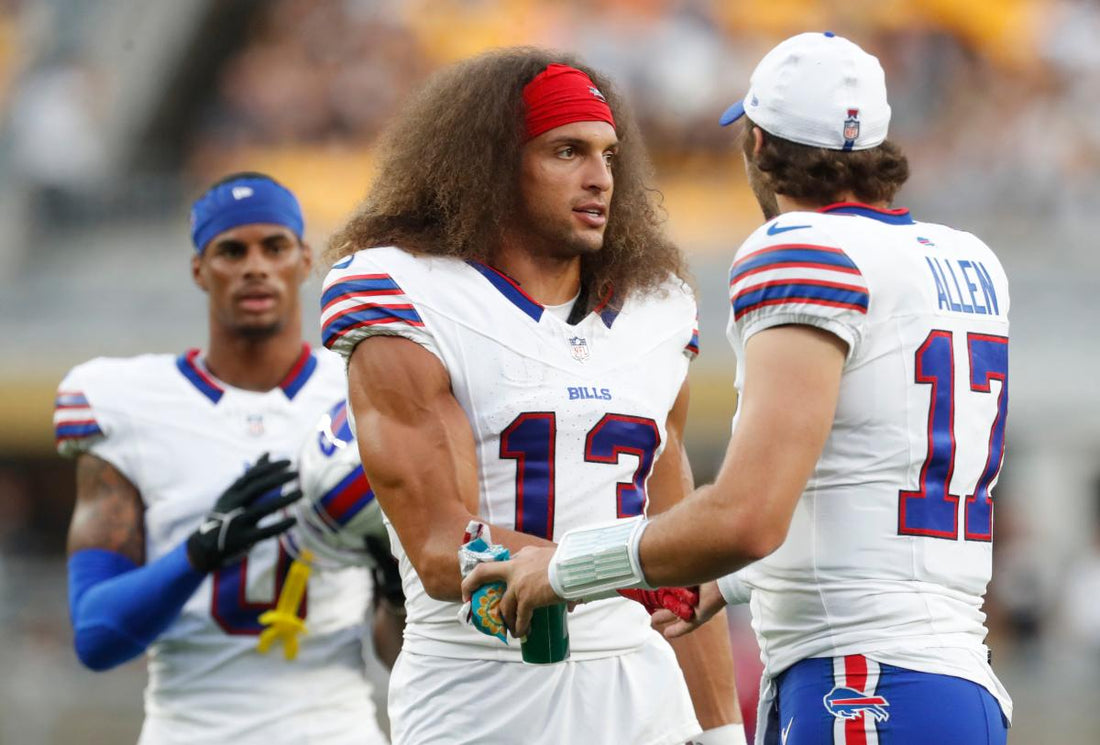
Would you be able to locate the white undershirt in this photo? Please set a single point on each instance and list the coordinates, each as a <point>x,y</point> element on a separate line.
<point>562,311</point>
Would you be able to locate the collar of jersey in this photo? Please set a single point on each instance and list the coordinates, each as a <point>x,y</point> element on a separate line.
<point>898,216</point>
<point>512,292</point>
<point>191,364</point>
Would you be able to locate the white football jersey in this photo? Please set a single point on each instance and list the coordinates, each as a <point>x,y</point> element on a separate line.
<point>568,419</point>
<point>182,437</point>
<point>889,548</point>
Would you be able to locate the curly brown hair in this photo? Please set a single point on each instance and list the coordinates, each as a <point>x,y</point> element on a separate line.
<point>449,167</point>
<point>824,176</point>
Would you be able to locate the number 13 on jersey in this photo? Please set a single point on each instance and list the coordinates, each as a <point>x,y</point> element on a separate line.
<point>531,441</point>
<point>931,509</point>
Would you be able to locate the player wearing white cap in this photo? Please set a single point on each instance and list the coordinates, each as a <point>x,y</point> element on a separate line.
<point>873,378</point>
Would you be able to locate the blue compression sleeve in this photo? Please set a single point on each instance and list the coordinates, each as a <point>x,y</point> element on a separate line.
<point>119,608</point>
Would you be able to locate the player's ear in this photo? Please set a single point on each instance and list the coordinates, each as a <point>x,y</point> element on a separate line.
<point>196,272</point>
<point>757,141</point>
<point>307,259</point>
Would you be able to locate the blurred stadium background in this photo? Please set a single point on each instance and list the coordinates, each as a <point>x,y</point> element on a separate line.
<point>114,114</point>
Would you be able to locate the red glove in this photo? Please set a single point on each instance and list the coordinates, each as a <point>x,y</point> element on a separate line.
<point>679,600</point>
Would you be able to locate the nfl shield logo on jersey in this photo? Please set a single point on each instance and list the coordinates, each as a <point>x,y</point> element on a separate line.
<point>851,125</point>
<point>579,346</point>
<point>256,425</point>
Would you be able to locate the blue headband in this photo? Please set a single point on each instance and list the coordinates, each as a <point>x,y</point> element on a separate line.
<point>243,201</point>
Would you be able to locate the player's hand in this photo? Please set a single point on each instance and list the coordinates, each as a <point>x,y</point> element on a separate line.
<point>680,601</point>
<point>230,529</point>
<point>527,582</point>
<point>672,625</point>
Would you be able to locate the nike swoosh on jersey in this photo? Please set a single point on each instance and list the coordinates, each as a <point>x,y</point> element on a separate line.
<point>774,229</point>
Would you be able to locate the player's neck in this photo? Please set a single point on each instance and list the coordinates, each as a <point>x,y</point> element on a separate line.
<point>790,204</point>
<point>548,280</point>
<point>253,364</point>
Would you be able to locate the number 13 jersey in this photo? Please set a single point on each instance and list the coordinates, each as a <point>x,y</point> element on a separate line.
<point>889,549</point>
<point>568,420</point>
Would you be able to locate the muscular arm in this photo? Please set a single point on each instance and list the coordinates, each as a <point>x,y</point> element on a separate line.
<point>705,657</point>
<point>109,513</point>
<point>792,383</point>
<point>419,455</point>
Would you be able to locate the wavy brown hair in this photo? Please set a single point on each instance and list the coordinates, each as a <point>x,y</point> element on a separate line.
<point>449,167</point>
<point>823,176</point>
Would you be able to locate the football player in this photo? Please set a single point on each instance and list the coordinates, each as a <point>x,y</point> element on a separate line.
<point>518,335</point>
<point>180,463</point>
<point>873,376</point>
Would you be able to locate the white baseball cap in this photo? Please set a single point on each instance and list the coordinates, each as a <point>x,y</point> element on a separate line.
<point>818,89</point>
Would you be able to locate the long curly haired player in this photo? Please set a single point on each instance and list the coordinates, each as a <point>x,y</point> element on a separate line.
<point>518,334</point>
<point>448,174</point>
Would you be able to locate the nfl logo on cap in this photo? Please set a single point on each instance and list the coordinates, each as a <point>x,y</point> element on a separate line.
<point>851,125</point>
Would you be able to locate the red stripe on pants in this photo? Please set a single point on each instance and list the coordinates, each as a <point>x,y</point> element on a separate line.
<point>855,674</point>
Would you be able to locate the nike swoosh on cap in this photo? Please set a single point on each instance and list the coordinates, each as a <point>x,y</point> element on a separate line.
<point>774,229</point>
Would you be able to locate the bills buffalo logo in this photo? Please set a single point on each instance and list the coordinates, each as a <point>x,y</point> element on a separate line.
<point>851,125</point>
<point>578,345</point>
<point>848,703</point>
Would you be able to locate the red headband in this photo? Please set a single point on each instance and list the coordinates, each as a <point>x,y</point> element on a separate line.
<point>562,95</point>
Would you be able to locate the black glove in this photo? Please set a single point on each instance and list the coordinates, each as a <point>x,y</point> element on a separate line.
<point>229,530</point>
<point>384,573</point>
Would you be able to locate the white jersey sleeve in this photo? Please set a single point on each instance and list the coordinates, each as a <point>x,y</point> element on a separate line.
<point>811,280</point>
<point>90,416</point>
<point>361,299</point>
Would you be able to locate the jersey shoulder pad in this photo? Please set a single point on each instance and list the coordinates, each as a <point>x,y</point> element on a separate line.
<point>679,309</point>
<point>92,398</point>
<point>364,296</point>
<point>655,316</point>
<point>794,270</point>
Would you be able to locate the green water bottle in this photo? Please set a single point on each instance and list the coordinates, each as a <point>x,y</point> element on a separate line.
<point>547,640</point>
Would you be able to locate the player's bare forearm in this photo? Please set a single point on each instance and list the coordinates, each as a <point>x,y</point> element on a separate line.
<point>419,455</point>
<point>707,663</point>
<point>792,383</point>
<point>109,513</point>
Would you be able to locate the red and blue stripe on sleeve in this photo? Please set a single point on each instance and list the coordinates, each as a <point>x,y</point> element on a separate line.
<point>797,277</point>
<point>73,419</point>
<point>360,300</point>
<point>345,499</point>
<point>691,349</point>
